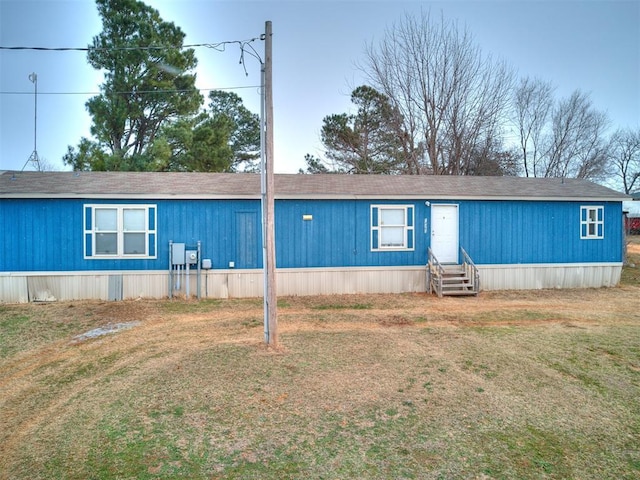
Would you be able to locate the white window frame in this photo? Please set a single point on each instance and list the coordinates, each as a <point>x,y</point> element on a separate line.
<point>408,226</point>
<point>91,232</point>
<point>592,222</point>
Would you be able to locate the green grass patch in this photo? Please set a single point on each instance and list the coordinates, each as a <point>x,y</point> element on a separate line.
<point>630,275</point>
<point>178,305</point>
<point>528,452</point>
<point>631,270</point>
<point>510,316</point>
<point>24,327</point>
<point>341,306</point>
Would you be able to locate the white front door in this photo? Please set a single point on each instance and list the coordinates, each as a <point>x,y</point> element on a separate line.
<point>444,233</point>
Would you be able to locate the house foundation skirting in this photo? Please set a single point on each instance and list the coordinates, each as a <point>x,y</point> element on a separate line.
<point>22,287</point>
<point>537,276</point>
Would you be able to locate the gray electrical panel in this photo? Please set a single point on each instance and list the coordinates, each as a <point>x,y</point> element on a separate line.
<point>177,254</point>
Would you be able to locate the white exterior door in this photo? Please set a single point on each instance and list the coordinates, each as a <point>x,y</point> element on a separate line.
<point>444,233</point>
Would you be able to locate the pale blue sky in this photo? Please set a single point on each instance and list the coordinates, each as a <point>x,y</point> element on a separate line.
<point>593,46</point>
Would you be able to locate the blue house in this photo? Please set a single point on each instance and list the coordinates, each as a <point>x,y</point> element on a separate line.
<point>111,235</point>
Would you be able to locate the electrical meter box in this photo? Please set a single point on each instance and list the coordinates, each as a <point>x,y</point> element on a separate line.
<point>191,257</point>
<point>177,253</point>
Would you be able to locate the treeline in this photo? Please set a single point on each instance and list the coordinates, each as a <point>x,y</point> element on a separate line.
<point>148,115</point>
<point>433,104</point>
<point>436,105</point>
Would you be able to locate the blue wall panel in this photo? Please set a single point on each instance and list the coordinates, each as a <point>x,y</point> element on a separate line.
<point>537,232</point>
<point>216,224</point>
<point>40,235</point>
<point>47,234</point>
<point>337,235</point>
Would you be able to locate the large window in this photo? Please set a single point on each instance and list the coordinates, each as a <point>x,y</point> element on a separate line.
<point>591,222</point>
<point>392,227</point>
<point>120,231</point>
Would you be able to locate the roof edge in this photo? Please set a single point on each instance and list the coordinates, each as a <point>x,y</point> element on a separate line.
<point>122,196</point>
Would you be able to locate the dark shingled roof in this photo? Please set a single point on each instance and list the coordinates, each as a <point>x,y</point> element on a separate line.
<point>245,185</point>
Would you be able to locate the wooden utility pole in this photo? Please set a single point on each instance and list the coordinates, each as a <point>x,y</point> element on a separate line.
<point>270,296</point>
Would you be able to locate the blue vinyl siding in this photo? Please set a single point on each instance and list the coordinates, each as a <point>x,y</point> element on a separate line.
<point>39,235</point>
<point>338,235</point>
<point>507,232</point>
<point>492,232</point>
<point>48,234</point>
<point>215,223</point>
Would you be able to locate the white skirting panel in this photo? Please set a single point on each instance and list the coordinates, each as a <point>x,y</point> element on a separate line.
<point>50,286</point>
<point>536,276</point>
<point>152,284</point>
<point>334,281</point>
<point>13,289</point>
<point>314,281</point>
<point>68,287</point>
<point>22,288</point>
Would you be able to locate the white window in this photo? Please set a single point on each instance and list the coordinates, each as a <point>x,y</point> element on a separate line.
<point>591,222</point>
<point>392,227</point>
<point>120,231</point>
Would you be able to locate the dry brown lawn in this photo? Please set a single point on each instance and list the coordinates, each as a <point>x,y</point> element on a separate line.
<point>516,384</point>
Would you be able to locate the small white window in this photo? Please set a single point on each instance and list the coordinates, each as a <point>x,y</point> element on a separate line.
<point>392,227</point>
<point>592,222</point>
<point>134,231</point>
<point>120,231</point>
<point>106,231</point>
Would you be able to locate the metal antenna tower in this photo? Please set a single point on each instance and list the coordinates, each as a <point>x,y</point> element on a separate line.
<point>33,158</point>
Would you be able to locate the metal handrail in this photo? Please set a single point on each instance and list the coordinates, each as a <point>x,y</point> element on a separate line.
<point>434,267</point>
<point>471,269</point>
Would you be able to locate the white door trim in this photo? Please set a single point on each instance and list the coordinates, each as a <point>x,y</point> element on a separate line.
<point>445,232</point>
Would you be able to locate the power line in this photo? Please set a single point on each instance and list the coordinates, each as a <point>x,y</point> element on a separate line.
<point>245,48</point>
<point>220,46</point>
<point>132,92</point>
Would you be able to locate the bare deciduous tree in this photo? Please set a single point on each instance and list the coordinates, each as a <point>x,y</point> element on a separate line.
<point>625,158</point>
<point>533,102</point>
<point>451,98</point>
<point>578,147</point>
<point>564,138</point>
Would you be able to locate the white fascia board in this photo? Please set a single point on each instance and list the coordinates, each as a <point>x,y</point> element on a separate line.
<point>123,196</point>
<point>204,196</point>
<point>448,198</point>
